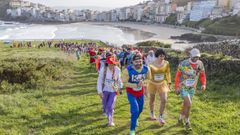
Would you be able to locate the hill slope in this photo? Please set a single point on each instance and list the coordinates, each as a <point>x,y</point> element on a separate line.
<point>73,107</point>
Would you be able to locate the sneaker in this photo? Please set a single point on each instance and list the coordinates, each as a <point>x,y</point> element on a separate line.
<point>132,132</point>
<point>188,126</point>
<point>162,121</point>
<point>180,122</point>
<point>152,116</point>
<point>111,124</point>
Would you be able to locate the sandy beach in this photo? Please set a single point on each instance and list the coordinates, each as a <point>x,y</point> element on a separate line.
<point>162,33</point>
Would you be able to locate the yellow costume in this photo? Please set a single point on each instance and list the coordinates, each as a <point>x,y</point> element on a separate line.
<point>159,78</point>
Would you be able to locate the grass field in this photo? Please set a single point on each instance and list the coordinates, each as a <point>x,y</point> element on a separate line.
<point>72,106</point>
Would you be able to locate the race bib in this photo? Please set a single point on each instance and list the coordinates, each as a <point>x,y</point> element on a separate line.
<point>190,82</point>
<point>158,77</point>
<point>109,83</point>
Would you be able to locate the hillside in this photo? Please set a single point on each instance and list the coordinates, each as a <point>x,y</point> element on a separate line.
<point>73,107</point>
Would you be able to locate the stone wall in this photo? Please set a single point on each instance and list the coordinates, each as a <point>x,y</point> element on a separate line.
<point>225,70</point>
<point>227,47</point>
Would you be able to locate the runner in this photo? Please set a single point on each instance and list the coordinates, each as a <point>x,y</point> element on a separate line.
<point>78,53</point>
<point>133,77</point>
<point>150,57</point>
<point>93,56</point>
<point>186,81</point>
<point>109,81</point>
<point>159,82</point>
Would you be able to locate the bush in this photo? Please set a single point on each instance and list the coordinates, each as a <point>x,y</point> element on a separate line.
<point>172,19</point>
<point>153,44</point>
<point>17,74</point>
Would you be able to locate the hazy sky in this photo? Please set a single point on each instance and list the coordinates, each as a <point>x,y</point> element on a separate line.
<point>98,3</point>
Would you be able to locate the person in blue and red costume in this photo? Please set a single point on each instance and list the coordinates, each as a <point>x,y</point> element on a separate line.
<point>133,78</point>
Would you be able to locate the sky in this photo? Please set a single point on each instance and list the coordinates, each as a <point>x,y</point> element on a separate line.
<point>94,3</point>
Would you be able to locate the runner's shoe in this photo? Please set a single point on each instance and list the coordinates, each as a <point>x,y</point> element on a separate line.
<point>188,126</point>
<point>180,122</point>
<point>161,121</point>
<point>132,132</point>
<point>152,116</point>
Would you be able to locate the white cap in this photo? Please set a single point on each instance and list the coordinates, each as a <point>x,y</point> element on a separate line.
<point>151,51</point>
<point>195,53</point>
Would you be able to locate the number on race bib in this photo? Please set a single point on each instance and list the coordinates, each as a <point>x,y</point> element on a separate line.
<point>190,82</point>
<point>158,77</point>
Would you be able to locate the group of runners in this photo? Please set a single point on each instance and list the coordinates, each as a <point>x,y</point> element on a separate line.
<point>142,74</point>
<point>145,75</point>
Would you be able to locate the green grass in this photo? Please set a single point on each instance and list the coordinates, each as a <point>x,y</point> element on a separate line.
<point>73,107</point>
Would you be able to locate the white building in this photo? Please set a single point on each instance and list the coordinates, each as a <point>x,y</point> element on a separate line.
<point>162,11</point>
<point>122,14</point>
<point>139,13</point>
<point>128,13</point>
<point>25,4</point>
<point>216,13</point>
<point>114,17</point>
<point>15,3</point>
<point>14,12</point>
<point>233,3</point>
<point>236,8</point>
<point>94,15</point>
<point>201,10</point>
<point>189,7</point>
<point>181,15</point>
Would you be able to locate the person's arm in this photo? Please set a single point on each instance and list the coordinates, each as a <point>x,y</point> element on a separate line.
<point>177,80</point>
<point>120,83</point>
<point>100,82</point>
<point>119,78</point>
<point>168,74</point>
<point>148,77</point>
<point>203,79</point>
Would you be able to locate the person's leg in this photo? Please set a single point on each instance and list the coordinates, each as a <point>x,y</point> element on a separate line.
<point>163,98</point>
<point>151,104</point>
<point>134,109</point>
<point>140,102</point>
<point>110,106</point>
<point>152,92</point>
<point>184,93</point>
<point>104,100</point>
<point>187,105</point>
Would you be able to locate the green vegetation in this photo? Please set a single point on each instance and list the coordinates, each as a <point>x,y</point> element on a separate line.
<point>21,69</point>
<point>202,23</point>
<point>221,26</point>
<point>152,43</point>
<point>172,19</point>
<point>197,37</point>
<point>225,26</point>
<point>72,106</point>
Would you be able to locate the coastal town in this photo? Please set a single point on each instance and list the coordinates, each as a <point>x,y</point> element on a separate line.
<point>154,11</point>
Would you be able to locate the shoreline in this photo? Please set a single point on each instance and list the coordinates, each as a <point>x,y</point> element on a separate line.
<point>156,32</point>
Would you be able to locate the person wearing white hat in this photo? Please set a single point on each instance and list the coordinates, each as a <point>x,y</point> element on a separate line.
<point>188,73</point>
<point>150,58</point>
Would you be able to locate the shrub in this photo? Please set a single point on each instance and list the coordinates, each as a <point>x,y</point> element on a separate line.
<point>17,74</point>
